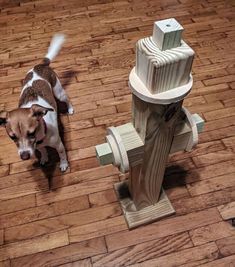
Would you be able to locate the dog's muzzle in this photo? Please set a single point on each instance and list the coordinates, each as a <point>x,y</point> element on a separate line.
<point>25,155</point>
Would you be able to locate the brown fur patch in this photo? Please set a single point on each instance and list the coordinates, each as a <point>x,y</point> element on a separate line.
<point>46,61</point>
<point>38,88</point>
<point>46,73</point>
<point>21,122</point>
<point>28,77</point>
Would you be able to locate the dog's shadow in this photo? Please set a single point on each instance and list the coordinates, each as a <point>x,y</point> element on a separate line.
<point>50,168</point>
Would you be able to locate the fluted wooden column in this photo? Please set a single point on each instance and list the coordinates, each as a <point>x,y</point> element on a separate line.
<point>158,128</point>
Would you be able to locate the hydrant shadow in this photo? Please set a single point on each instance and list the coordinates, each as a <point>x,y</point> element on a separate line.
<point>175,176</point>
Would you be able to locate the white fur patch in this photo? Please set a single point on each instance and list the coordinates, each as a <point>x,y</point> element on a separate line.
<point>55,46</point>
<point>51,116</point>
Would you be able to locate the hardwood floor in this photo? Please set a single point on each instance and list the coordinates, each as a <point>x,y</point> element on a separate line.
<point>79,222</point>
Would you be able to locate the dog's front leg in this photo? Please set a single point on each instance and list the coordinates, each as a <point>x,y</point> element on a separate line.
<point>62,154</point>
<point>44,155</point>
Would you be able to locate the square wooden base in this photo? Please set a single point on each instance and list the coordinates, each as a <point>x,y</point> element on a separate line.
<point>135,218</point>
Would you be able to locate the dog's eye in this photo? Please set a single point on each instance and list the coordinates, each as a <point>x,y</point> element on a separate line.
<point>32,134</point>
<point>13,137</point>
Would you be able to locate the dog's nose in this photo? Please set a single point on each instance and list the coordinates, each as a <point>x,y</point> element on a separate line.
<point>25,155</point>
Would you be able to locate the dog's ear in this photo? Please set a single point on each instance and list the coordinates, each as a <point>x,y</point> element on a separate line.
<point>3,118</point>
<point>39,111</point>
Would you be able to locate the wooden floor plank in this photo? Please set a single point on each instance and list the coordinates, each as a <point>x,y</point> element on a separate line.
<point>76,190</point>
<point>171,226</point>
<point>35,245</point>
<point>213,184</point>
<point>16,204</point>
<point>81,263</point>
<point>101,228</point>
<point>6,263</point>
<point>188,204</point>
<point>52,224</point>
<point>226,245</point>
<point>212,158</point>
<point>224,262</point>
<point>45,211</point>
<point>83,176</point>
<point>143,251</point>
<point>211,171</point>
<point>211,232</point>
<point>102,198</point>
<point>1,237</point>
<point>188,257</point>
<point>58,256</point>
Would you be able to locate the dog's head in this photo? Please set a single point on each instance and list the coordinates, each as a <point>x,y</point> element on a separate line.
<point>25,126</point>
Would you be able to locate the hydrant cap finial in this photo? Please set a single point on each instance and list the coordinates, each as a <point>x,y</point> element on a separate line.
<point>167,33</point>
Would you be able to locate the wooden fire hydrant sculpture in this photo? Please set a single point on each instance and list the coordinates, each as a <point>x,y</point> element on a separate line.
<point>160,125</point>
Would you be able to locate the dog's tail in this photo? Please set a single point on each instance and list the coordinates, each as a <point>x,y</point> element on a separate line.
<point>54,48</point>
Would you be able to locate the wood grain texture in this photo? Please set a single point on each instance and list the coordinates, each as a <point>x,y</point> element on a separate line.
<point>89,231</point>
<point>193,257</point>
<point>143,251</point>
<point>211,232</point>
<point>94,66</point>
<point>146,179</point>
<point>224,262</point>
<point>57,256</point>
<point>150,60</point>
<point>81,263</point>
<point>226,245</point>
<point>52,224</point>
<point>158,229</point>
<point>148,214</point>
<point>35,245</point>
<point>1,237</point>
<point>227,211</point>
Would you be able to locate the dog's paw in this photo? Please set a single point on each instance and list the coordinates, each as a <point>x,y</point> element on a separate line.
<point>43,160</point>
<point>64,166</point>
<point>70,109</point>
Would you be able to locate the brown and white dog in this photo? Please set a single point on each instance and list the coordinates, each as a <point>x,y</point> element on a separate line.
<point>33,125</point>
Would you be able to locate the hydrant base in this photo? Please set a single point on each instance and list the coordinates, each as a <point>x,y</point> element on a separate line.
<point>135,218</point>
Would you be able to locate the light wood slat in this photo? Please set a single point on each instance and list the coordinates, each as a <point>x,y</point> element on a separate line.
<point>227,211</point>
<point>150,213</point>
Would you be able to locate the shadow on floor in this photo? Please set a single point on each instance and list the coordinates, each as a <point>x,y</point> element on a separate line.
<point>175,176</point>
